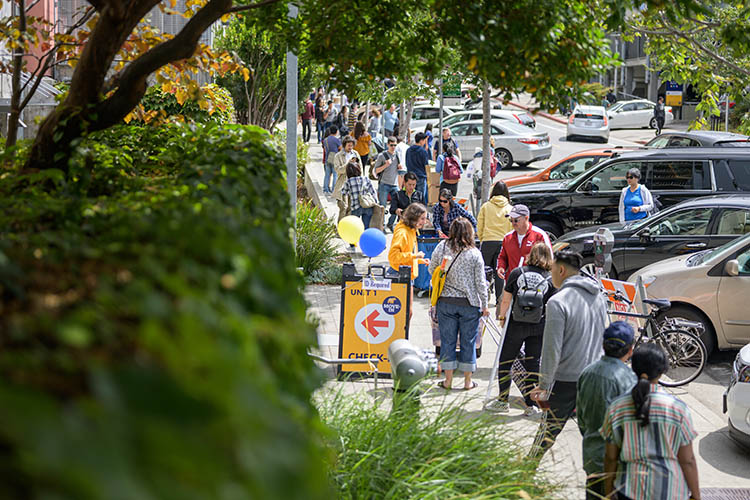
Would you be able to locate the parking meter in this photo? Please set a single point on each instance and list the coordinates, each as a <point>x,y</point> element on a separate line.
<point>604,242</point>
<point>409,365</point>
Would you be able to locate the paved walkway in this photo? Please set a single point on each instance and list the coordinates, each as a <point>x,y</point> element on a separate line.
<point>721,463</point>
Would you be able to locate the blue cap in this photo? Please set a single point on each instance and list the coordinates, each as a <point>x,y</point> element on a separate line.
<point>619,332</point>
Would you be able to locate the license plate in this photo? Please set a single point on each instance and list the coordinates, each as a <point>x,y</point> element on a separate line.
<point>587,123</point>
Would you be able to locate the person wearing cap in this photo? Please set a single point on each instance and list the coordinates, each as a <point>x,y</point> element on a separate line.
<point>598,386</point>
<point>519,241</point>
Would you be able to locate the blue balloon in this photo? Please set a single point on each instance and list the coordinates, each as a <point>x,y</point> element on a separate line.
<point>372,242</point>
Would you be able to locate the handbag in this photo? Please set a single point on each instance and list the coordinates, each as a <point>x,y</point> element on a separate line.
<point>367,200</point>
<point>438,281</point>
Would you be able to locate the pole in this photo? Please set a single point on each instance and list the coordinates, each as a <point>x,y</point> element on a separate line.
<point>291,130</point>
<point>440,123</point>
<point>726,113</point>
<point>486,129</point>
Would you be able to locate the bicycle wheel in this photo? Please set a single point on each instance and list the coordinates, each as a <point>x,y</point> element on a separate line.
<point>686,353</point>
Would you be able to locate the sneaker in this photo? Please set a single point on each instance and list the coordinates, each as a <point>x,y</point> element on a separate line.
<point>532,411</point>
<point>497,406</point>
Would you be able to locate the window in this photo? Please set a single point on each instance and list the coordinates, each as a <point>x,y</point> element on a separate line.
<point>744,261</point>
<point>612,177</point>
<point>672,175</point>
<point>643,106</point>
<point>571,168</point>
<point>629,107</point>
<point>683,142</point>
<point>734,221</point>
<point>460,130</point>
<point>683,223</point>
<point>430,114</point>
<point>475,130</point>
<point>740,170</point>
<point>497,131</point>
<point>659,142</point>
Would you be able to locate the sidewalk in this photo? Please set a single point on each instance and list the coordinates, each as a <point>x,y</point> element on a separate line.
<point>719,466</point>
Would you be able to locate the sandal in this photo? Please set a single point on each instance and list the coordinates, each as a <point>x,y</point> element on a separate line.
<point>441,384</point>
<point>474,385</point>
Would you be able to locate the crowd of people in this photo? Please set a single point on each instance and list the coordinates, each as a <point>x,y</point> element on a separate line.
<point>637,439</point>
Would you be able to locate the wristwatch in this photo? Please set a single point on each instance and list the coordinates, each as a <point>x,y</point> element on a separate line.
<point>501,318</point>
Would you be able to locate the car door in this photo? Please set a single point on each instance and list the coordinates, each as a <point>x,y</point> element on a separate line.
<point>673,181</point>
<point>642,115</point>
<point>460,134</point>
<point>473,139</point>
<point>572,167</point>
<point>730,223</point>
<point>597,198</point>
<point>735,320</point>
<point>623,118</point>
<point>676,233</point>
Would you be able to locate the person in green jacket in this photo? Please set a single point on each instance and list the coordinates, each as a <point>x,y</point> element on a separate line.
<point>599,384</point>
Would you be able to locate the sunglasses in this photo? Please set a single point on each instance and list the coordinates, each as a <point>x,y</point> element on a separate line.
<point>444,201</point>
<point>630,177</point>
<point>391,144</point>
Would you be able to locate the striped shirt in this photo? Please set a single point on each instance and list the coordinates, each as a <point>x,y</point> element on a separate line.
<point>648,455</point>
<point>355,187</point>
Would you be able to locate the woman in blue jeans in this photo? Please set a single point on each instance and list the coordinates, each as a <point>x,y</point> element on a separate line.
<point>358,186</point>
<point>462,303</point>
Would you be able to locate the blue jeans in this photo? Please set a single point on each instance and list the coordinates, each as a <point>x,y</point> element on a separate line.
<point>422,188</point>
<point>319,129</point>
<point>329,172</point>
<point>383,191</point>
<point>458,323</point>
<point>365,214</point>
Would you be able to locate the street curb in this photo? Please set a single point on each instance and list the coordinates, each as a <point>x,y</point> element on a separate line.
<point>540,113</point>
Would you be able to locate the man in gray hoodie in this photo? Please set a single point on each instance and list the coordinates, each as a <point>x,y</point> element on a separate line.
<point>576,319</point>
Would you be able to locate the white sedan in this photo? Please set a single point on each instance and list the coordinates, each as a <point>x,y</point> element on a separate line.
<point>514,143</point>
<point>737,398</point>
<point>637,113</point>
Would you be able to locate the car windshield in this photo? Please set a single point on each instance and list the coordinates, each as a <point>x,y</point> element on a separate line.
<point>712,256</point>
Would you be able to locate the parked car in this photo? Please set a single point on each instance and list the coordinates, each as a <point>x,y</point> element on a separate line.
<point>638,113</point>
<point>567,168</point>
<point>478,103</point>
<point>672,175</point>
<point>737,398</point>
<point>688,227</point>
<point>521,117</point>
<point>710,287</point>
<point>428,113</point>
<point>513,142</point>
<point>588,121</point>
<point>699,139</point>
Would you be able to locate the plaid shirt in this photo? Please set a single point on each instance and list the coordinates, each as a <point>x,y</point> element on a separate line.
<point>356,187</point>
<point>455,212</point>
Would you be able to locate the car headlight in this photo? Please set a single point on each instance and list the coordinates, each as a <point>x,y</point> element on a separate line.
<point>560,245</point>
<point>747,418</point>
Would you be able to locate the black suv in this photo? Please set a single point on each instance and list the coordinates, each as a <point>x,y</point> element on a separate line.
<point>672,175</point>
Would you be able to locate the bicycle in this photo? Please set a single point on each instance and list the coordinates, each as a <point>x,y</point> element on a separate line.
<point>685,350</point>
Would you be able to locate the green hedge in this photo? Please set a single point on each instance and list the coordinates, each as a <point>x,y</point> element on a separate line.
<point>152,330</point>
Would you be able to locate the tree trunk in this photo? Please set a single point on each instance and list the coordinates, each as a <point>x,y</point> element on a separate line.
<point>15,96</point>
<point>486,148</point>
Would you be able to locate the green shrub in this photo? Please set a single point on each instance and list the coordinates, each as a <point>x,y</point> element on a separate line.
<point>213,105</point>
<point>430,454</point>
<point>152,331</point>
<point>315,235</point>
<point>303,151</point>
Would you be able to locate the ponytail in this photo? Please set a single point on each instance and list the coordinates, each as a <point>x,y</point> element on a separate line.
<point>641,400</point>
<point>649,362</point>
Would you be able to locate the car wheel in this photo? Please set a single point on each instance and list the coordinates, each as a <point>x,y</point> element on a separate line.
<point>504,157</point>
<point>686,313</point>
<point>553,230</point>
<point>589,268</point>
<point>652,123</point>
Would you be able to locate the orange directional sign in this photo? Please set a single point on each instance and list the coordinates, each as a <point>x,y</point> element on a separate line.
<point>370,320</point>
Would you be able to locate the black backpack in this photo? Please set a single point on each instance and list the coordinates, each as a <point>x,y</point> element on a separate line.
<point>528,306</point>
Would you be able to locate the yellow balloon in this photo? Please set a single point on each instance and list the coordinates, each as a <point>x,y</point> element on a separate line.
<point>351,228</point>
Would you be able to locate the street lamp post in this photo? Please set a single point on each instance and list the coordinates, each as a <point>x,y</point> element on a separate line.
<point>291,129</point>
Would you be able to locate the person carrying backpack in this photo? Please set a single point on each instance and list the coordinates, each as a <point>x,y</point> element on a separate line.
<point>450,170</point>
<point>530,287</point>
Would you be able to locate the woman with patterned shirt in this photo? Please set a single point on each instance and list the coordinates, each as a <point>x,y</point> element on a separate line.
<point>649,434</point>
<point>355,187</point>
<point>446,211</point>
<point>462,302</point>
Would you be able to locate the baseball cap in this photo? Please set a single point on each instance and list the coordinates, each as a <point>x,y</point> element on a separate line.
<point>519,211</point>
<point>619,332</point>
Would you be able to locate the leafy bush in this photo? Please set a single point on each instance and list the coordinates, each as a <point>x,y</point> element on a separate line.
<point>303,151</point>
<point>152,331</point>
<point>404,454</point>
<point>208,104</point>
<point>315,234</point>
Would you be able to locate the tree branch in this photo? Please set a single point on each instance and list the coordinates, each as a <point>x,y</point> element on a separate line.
<point>241,8</point>
<point>131,84</point>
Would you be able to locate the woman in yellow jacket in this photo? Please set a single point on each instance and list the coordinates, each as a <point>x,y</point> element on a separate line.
<point>403,251</point>
<point>363,144</point>
<point>492,226</point>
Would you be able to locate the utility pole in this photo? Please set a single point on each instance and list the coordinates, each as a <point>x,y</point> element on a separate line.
<point>291,129</point>
<point>440,123</point>
<point>486,129</point>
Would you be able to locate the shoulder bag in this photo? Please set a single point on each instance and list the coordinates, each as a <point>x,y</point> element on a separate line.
<point>438,281</point>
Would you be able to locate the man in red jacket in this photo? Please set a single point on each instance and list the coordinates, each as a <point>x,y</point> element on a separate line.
<point>518,242</point>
